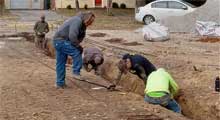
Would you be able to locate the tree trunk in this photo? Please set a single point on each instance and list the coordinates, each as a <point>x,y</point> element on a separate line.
<point>139,3</point>
<point>109,5</point>
<point>1,7</point>
<point>77,5</point>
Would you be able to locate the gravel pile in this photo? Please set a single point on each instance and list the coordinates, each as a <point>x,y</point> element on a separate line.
<point>210,11</point>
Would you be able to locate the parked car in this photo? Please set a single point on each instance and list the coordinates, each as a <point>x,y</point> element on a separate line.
<point>161,9</point>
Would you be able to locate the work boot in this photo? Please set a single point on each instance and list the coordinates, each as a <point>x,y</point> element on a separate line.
<point>61,86</point>
<point>79,77</point>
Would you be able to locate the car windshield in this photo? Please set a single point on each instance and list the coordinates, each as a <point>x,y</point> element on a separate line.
<point>189,4</point>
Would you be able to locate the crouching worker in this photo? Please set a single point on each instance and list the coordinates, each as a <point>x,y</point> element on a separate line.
<point>67,41</point>
<point>160,89</point>
<point>92,59</point>
<point>135,64</point>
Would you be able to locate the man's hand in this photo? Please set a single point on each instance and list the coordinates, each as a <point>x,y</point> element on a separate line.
<point>111,87</point>
<point>89,68</point>
<point>80,48</point>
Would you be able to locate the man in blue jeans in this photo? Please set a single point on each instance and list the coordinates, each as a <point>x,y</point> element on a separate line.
<point>161,89</point>
<point>67,41</point>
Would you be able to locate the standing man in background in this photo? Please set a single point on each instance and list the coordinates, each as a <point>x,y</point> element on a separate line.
<point>41,28</point>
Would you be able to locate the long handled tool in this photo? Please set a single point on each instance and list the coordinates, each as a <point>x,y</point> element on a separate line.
<point>110,88</point>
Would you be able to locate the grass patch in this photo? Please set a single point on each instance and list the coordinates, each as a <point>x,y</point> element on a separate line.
<point>120,19</point>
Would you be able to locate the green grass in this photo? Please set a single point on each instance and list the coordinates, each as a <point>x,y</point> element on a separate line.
<point>6,15</point>
<point>121,19</point>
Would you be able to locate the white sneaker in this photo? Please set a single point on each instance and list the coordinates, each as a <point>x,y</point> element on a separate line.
<point>79,77</point>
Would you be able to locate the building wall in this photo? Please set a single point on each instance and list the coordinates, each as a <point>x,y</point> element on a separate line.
<point>91,3</point>
<point>65,3</point>
<point>128,3</point>
<point>8,5</point>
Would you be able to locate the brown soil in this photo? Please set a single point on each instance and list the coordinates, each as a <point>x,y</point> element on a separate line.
<point>132,44</point>
<point>180,55</point>
<point>143,117</point>
<point>209,40</point>
<point>97,35</point>
<point>41,101</point>
<point>28,92</point>
<point>115,40</point>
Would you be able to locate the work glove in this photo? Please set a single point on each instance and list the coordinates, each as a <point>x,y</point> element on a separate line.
<point>89,68</point>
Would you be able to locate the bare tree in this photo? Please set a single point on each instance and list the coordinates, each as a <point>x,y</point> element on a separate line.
<point>77,5</point>
<point>140,3</point>
<point>1,7</point>
<point>109,5</point>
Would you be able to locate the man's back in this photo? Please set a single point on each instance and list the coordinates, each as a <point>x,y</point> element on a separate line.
<point>143,62</point>
<point>72,29</point>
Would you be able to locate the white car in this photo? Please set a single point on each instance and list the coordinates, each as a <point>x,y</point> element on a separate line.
<point>161,9</point>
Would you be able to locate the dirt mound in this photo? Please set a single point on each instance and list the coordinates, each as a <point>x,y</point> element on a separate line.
<point>97,35</point>
<point>129,82</point>
<point>50,48</point>
<point>115,40</point>
<point>132,44</point>
<point>209,40</point>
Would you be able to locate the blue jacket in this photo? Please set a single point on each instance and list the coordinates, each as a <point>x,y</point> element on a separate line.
<point>140,66</point>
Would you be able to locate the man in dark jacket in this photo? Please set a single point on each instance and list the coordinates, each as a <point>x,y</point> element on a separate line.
<point>135,64</point>
<point>92,59</point>
<point>41,28</point>
<point>67,42</point>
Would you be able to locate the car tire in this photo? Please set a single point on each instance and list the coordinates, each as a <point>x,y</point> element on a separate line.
<point>148,19</point>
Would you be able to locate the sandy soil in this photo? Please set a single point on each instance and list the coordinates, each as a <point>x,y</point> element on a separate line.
<point>27,92</point>
<point>193,62</point>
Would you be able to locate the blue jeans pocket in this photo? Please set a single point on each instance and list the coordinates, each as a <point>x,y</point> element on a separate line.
<point>57,44</point>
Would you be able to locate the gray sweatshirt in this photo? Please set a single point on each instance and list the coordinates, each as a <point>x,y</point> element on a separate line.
<point>72,30</point>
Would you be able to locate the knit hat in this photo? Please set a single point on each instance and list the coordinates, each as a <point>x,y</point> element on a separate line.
<point>98,59</point>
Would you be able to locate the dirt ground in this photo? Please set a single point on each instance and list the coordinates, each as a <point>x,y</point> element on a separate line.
<point>27,78</point>
<point>193,61</point>
<point>28,93</point>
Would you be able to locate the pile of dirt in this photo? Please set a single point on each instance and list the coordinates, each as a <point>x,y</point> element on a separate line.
<point>115,40</point>
<point>132,44</point>
<point>50,48</point>
<point>129,82</point>
<point>209,40</point>
<point>208,12</point>
<point>97,35</point>
<point>132,83</point>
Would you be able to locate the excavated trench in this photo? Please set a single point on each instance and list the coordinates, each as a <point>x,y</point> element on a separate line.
<point>192,107</point>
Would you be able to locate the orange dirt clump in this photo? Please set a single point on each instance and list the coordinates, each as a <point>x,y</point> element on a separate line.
<point>209,39</point>
<point>129,82</point>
